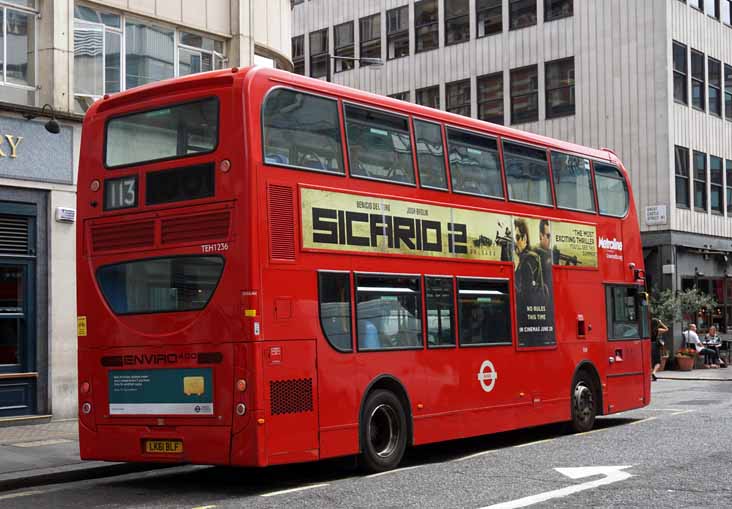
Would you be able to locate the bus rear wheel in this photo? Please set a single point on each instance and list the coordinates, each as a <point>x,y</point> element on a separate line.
<point>383,432</point>
<point>584,404</point>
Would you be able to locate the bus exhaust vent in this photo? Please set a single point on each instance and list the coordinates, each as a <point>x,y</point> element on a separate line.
<point>291,396</point>
<point>281,223</point>
<point>194,228</point>
<point>123,236</point>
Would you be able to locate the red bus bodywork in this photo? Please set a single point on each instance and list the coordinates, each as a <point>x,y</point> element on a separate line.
<point>262,323</point>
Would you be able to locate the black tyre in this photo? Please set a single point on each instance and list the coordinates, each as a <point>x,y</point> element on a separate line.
<point>383,432</point>
<point>584,403</point>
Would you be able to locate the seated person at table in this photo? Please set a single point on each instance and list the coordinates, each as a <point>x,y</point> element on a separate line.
<point>714,342</point>
<point>692,339</point>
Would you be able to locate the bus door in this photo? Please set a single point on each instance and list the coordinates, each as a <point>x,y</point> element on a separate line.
<point>626,353</point>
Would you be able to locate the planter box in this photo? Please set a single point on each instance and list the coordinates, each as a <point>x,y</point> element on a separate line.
<point>684,363</point>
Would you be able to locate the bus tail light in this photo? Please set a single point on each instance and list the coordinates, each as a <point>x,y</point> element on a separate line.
<point>86,408</point>
<point>241,409</point>
<point>95,185</point>
<point>241,385</point>
<point>225,166</point>
<point>85,387</point>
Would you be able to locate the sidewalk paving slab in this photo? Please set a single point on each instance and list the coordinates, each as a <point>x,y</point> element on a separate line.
<point>709,375</point>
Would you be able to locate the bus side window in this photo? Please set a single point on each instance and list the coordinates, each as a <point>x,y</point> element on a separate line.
<point>527,174</point>
<point>334,295</point>
<point>388,312</point>
<point>301,130</point>
<point>623,312</point>
<point>484,308</point>
<point>573,182</point>
<point>474,164</point>
<point>430,154</point>
<point>440,319</point>
<point>612,191</point>
<point>379,146</point>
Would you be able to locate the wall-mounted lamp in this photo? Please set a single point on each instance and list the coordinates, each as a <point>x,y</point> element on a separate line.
<point>52,125</point>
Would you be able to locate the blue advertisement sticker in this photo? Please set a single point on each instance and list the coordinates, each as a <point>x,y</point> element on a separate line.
<point>186,391</point>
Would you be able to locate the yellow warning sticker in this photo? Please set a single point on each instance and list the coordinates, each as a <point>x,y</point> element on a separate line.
<point>194,385</point>
<point>81,325</point>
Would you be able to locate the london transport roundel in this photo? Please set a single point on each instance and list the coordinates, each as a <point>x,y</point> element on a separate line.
<point>487,376</point>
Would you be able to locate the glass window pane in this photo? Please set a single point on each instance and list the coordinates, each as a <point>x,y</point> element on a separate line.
<point>474,163</point>
<point>527,174</point>
<point>440,318</point>
<point>484,312</point>
<point>22,3</point>
<point>522,13</point>
<point>174,131</point>
<point>429,97</point>
<point>12,295</point>
<point>458,97</point>
<point>430,154</point>
<point>149,51</point>
<point>679,57</point>
<point>624,313</point>
<point>12,338</point>
<point>335,309</point>
<point>556,9</point>
<point>161,285</point>
<point>2,44</point>
<point>524,94</point>
<point>388,312</point>
<point>302,130</point>
<point>490,17</point>
<point>88,59</point>
<point>378,145</point>
<point>112,61</point>
<point>20,46</point>
<point>573,182</point>
<point>612,192</point>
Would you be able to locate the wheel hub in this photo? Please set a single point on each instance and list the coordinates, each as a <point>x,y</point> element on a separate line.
<point>383,430</point>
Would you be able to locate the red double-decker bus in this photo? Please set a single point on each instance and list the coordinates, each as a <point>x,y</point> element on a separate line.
<point>275,269</point>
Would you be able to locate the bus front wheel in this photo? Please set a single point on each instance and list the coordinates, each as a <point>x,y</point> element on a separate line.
<point>584,403</point>
<point>383,432</point>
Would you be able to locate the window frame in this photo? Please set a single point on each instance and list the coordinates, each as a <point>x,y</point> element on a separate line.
<point>400,96</point>
<point>349,275</point>
<point>430,25</point>
<point>364,43</point>
<point>497,6</point>
<point>453,317</point>
<point>458,85</point>
<point>444,154</point>
<point>609,312</point>
<point>486,78</point>
<point>300,59</point>
<point>501,173</point>
<point>571,87</point>
<point>593,191</point>
<point>322,55</point>
<point>549,176</point>
<point>452,19</point>
<point>293,166</point>
<point>700,182</point>
<point>718,187</point>
<point>511,306</point>
<point>34,14</point>
<point>398,34</point>
<point>548,4</point>
<point>425,89</point>
<point>512,25</point>
<point>344,104</point>
<point>697,81</point>
<point>597,189</point>
<point>717,111</point>
<point>680,74</point>
<point>339,51</point>
<point>728,189</point>
<point>514,96</point>
<point>680,176</point>
<point>727,82</point>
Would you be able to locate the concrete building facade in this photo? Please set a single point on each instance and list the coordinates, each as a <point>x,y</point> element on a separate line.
<point>56,58</point>
<point>651,80</point>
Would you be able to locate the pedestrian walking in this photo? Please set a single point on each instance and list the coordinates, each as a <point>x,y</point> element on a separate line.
<point>658,328</point>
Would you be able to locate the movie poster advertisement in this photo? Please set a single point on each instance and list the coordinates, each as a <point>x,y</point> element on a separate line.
<point>574,244</point>
<point>533,281</point>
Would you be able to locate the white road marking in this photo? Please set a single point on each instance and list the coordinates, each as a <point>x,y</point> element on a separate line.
<point>21,494</point>
<point>476,455</point>
<point>611,475</point>
<point>392,471</point>
<point>644,420</point>
<point>534,443</point>
<point>293,490</point>
<point>40,443</point>
<point>683,412</point>
<point>205,507</point>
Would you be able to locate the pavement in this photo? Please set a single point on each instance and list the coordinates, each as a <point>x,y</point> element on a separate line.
<point>48,452</point>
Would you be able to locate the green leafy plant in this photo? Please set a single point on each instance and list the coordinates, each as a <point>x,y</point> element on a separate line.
<point>682,306</point>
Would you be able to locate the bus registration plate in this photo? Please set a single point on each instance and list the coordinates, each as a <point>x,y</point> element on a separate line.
<point>164,446</point>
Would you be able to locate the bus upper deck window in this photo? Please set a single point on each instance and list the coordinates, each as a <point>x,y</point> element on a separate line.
<point>430,154</point>
<point>612,191</point>
<point>527,174</point>
<point>573,182</point>
<point>301,130</point>
<point>163,133</point>
<point>378,145</point>
<point>474,163</point>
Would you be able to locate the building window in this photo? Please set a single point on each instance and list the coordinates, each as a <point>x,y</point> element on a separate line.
<point>319,54</point>
<point>458,97</point>
<point>715,86</point>
<point>697,80</point>
<point>521,13</point>
<point>402,96</point>
<point>728,92</point>
<point>370,34</point>
<point>715,178</point>
<point>298,54</point>
<point>18,52</point>
<point>425,25</point>
<point>681,163</point>
<point>114,53</point>
<point>728,177</point>
<point>490,17</point>
<point>557,9</point>
<point>490,98</point>
<point>343,47</point>
<point>711,7</point>
<point>697,4</point>
<point>457,21</point>
<point>560,88</point>
<point>524,94</point>
<point>681,78</point>
<point>197,53</point>
<point>700,181</point>
<point>397,33</point>
<point>726,11</point>
<point>293,3</point>
<point>429,96</point>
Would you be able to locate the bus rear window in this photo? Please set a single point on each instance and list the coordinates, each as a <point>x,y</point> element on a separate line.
<point>164,133</point>
<point>160,285</point>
